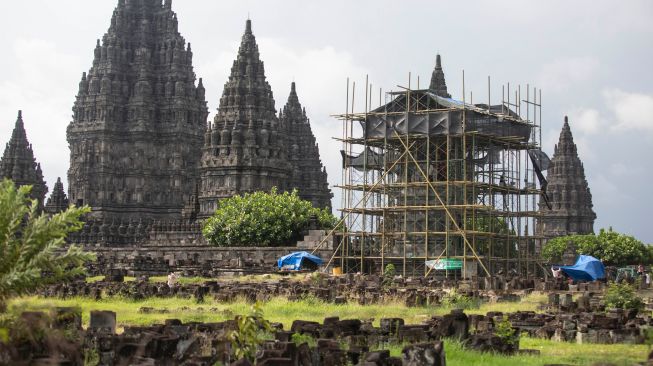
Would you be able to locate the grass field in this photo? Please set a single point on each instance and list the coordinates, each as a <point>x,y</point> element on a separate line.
<point>284,311</point>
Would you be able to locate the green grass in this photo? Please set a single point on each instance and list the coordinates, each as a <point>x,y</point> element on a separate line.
<point>284,311</point>
<point>277,309</point>
<point>550,353</point>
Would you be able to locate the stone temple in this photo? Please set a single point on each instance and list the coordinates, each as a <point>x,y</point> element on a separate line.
<point>138,120</point>
<point>140,149</point>
<point>143,158</point>
<point>570,198</point>
<point>18,163</point>
<point>248,148</point>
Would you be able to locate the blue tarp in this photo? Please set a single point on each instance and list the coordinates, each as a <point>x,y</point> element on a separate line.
<point>294,261</point>
<point>587,268</point>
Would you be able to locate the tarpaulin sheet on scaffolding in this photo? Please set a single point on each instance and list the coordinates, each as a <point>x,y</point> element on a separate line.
<point>436,123</point>
<point>374,160</point>
<point>442,122</point>
<point>541,158</point>
<point>491,156</point>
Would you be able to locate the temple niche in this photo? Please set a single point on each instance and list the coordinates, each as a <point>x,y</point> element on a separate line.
<point>138,119</point>
<point>19,165</point>
<point>570,210</point>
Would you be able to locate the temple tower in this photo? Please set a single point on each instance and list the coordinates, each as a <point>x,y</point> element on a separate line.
<point>569,194</point>
<point>58,200</point>
<point>245,147</point>
<point>19,165</point>
<point>438,83</point>
<point>138,119</point>
<point>308,174</point>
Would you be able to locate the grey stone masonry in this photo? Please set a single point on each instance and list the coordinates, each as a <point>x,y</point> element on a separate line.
<point>248,148</point>
<point>438,83</point>
<point>138,119</point>
<point>570,197</point>
<point>58,200</point>
<point>308,174</point>
<point>19,165</point>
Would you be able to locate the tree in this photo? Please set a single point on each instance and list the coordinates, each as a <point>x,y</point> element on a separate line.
<point>263,219</point>
<point>611,247</point>
<point>555,248</point>
<point>31,243</point>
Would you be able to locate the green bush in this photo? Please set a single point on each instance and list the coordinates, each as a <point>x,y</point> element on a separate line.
<point>33,245</point>
<point>611,247</point>
<point>263,219</point>
<point>622,296</point>
<point>251,331</point>
<point>505,331</point>
<point>459,301</point>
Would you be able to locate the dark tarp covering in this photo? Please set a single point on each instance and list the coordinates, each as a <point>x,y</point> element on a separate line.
<point>374,160</point>
<point>442,122</point>
<point>587,268</point>
<point>298,260</point>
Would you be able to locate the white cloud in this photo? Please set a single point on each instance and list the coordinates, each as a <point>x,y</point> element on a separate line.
<point>585,120</point>
<point>632,111</point>
<point>560,74</point>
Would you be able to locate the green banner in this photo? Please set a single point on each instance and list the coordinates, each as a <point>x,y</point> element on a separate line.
<point>445,264</point>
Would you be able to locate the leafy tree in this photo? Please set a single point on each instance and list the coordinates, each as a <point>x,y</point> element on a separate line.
<point>619,249</point>
<point>31,243</point>
<point>555,248</point>
<point>611,247</point>
<point>263,219</point>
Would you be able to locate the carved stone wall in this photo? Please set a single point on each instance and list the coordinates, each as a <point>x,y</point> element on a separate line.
<point>138,119</point>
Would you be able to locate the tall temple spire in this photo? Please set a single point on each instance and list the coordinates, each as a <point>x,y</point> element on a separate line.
<point>308,174</point>
<point>438,84</point>
<point>138,119</point>
<point>570,197</point>
<point>58,200</point>
<point>19,165</point>
<point>246,151</point>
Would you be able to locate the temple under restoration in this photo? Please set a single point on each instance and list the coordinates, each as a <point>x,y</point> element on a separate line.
<point>144,159</point>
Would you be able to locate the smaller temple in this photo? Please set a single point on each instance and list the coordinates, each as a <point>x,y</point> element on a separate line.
<point>570,208</point>
<point>308,174</point>
<point>58,200</point>
<point>245,148</point>
<point>19,165</point>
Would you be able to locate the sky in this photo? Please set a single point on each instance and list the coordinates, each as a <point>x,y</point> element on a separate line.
<point>591,59</point>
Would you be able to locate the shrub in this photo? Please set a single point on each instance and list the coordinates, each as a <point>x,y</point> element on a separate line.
<point>622,296</point>
<point>251,331</point>
<point>31,243</point>
<point>505,331</point>
<point>263,219</point>
<point>459,301</point>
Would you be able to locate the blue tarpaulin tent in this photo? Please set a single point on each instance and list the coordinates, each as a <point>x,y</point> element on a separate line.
<point>587,268</point>
<point>295,261</point>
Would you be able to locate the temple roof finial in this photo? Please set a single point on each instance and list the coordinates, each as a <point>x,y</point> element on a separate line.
<point>248,25</point>
<point>438,84</point>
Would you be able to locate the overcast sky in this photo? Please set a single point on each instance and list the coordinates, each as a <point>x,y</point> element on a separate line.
<point>591,58</point>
